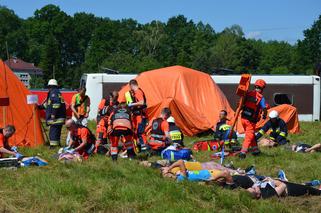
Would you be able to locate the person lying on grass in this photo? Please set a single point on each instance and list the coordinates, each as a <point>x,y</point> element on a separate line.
<point>192,166</point>
<point>306,148</point>
<point>203,175</point>
<point>273,187</point>
<point>5,134</point>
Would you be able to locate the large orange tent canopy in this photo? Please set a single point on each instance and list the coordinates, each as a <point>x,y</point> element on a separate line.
<point>18,113</point>
<point>193,97</point>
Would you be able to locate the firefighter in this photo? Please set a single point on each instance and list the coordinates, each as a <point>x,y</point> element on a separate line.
<point>160,137</point>
<point>253,107</point>
<point>175,132</point>
<point>120,126</point>
<point>5,134</point>
<point>55,108</point>
<point>82,140</point>
<point>223,130</point>
<point>106,105</point>
<point>80,106</point>
<point>136,101</point>
<point>279,130</point>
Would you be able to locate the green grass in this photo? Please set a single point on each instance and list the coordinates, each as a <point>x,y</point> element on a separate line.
<point>99,185</point>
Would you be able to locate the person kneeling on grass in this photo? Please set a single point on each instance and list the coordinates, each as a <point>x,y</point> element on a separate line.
<point>279,131</point>
<point>5,134</point>
<point>82,141</point>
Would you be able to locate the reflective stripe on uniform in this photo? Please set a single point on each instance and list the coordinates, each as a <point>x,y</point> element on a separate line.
<point>156,141</point>
<point>272,138</point>
<point>283,134</point>
<point>175,135</point>
<point>172,156</point>
<point>56,106</point>
<point>56,121</point>
<point>157,136</point>
<point>262,132</point>
<point>224,127</point>
<point>54,143</point>
<point>128,97</point>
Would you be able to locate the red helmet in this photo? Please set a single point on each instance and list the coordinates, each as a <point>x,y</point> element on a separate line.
<point>260,83</point>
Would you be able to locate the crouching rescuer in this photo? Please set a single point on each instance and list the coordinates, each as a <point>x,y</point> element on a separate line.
<point>120,126</point>
<point>252,109</point>
<point>279,130</point>
<point>82,140</point>
<point>160,137</point>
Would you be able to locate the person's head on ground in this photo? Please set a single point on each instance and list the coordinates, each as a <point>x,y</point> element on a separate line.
<point>71,125</point>
<point>223,115</point>
<point>255,192</point>
<point>259,85</point>
<point>8,131</point>
<point>52,83</point>
<point>82,91</point>
<point>171,119</point>
<point>133,84</point>
<point>166,113</point>
<point>273,115</point>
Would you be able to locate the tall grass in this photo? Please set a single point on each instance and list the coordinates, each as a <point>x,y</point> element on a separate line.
<point>100,185</point>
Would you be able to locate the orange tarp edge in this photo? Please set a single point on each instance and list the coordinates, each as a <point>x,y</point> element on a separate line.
<point>18,113</point>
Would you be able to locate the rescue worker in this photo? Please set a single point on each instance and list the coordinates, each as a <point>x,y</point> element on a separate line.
<point>253,107</point>
<point>80,106</point>
<point>120,125</point>
<point>101,132</point>
<point>279,130</point>
<point>160,137</point>
<point>175,132</point>
<point>223,130</point>
<point>106,105</point>
<point>55,108</point>
<point>82,139</point>
<point>5,134</point>
<point>136,101</point>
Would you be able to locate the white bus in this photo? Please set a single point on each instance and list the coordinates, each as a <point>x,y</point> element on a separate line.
<point>301,91</point>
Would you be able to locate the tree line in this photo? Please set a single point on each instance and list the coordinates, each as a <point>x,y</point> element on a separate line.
<point>68,46</point>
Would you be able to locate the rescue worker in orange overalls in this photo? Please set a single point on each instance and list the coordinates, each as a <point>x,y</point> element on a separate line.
<point>160,137</point>
<point>82,140</point>
<point>253,106</point>
<point>120,125</point>
<point>136,101</point>
<point>106,107</point>
<point>106,104</point>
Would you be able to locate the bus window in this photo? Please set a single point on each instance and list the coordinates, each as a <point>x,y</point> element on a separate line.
<point>281,98</point>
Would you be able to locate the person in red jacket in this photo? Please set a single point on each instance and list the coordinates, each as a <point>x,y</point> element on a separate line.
<point>252,109</point>
<point>120,126</point>
<point>160,137</point>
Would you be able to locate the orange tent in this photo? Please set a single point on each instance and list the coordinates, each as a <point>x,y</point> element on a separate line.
<point>193,97</point>
<point>18,113</point>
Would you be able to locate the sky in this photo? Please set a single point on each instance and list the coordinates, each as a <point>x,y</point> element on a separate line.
<point>260,19</point>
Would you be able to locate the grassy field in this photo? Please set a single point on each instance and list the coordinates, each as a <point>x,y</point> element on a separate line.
<point>99,185</point>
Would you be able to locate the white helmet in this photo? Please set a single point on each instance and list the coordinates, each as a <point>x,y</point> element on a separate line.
<point>52,82</point>
<point>171,119</point>
<point>273,114</point>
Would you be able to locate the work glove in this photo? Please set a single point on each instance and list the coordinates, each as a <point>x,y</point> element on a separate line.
<point>71,151</point>
<point>14,149</point>
<point>19,156</point>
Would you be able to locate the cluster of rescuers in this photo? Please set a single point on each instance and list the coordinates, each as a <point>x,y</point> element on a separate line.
<point>126,122</point>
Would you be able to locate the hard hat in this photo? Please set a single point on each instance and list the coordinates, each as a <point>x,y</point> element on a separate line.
<point>273,114</point>
<point>260,83</point>
<point>171,119</point>
<point>52,82</point>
